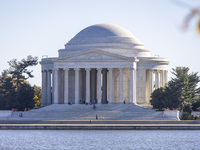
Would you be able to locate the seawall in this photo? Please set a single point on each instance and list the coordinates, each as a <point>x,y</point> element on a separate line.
<point>99,125</point>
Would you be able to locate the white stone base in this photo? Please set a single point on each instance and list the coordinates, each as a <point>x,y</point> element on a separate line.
<point>196,113</point>
<point>172,114</point>
<point>5,113</point>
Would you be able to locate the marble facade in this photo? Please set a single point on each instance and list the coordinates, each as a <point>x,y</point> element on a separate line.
<point>103,63</point>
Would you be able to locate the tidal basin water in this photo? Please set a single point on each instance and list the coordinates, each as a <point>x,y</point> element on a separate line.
<point>99,139</point>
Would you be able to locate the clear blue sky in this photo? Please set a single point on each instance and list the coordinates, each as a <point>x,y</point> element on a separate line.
<point>41,27</point>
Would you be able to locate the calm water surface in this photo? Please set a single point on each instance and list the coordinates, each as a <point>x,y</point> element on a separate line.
<point>99,140</point>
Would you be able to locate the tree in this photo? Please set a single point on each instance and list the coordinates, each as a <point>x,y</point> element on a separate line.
<point>179,92</point>
<point>15,91</point>
<point>18,69</point>
<point>11,98</point>
<point>26,95</point>
<point>158,99</point>
<point>184,85</point>
<point>7,91</point>
<point>172,94</point>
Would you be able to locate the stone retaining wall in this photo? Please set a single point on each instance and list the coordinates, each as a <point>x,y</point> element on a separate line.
<point>172,114</point>
<point>5,113</point>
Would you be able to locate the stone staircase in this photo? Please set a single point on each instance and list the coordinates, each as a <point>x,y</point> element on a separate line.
<point>86,112</point>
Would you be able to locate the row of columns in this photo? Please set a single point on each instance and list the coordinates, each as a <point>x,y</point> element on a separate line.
<point>160,80</point>
<point>104,95</point>
<point>157,79</point>
<point>46,85</point>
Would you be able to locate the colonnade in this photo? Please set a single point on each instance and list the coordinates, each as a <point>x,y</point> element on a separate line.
<point>98,85</point>
<point>87,85</point>
<point>158,78</point>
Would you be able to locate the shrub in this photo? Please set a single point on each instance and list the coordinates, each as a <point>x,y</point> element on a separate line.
<point>185,116</point>
<point>158,99</point>
<point>195,106</point>
<point>187,109</point>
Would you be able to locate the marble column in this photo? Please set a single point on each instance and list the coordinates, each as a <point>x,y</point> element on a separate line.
<point>131,85</point>
<point>44,88</point>
<point>151,82</point>
<point>56,101</point>
<point>87,85</point>
<point>48,87</point>
<point>110,86</point>
<point>144,85</point>
<point>76,85</point>
<point>93,83</point>
<point>166,76</point>
<point>66,86</point>
<point>134,86</point>
<point>120,85</point>
<point>157,79</point>
<point>162,79</point>
<point>104,94</point>
<point>99,85</point>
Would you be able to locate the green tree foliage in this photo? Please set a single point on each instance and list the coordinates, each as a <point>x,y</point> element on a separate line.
<point>37,95</point>
<point>18,69</point>
<point>185,116</point>
<point>26,95</point>
<point>186,86</point>
<point>10,97</point>
<point>180,91</point>
<point>196,103</point>
<point>7,91</point>
<point>15,91</point>
<point>172,94</point>
<point>158,99</point>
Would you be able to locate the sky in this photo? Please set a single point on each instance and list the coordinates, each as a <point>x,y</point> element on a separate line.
<point>41,27</point>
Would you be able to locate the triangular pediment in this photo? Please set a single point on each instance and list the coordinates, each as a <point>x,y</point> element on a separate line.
<point>97,55</point>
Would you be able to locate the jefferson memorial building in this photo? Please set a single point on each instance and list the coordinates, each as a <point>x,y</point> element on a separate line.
<point>103,63</point>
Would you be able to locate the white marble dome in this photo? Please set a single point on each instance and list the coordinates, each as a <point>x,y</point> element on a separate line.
<point>106,37</point>
<point>103,30</point>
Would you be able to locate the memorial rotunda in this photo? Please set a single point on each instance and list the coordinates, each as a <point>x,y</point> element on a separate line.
<point>103,63</point>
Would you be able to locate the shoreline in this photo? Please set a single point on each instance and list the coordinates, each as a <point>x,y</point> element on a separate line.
<point>99,125</point>
<point>96,127</point>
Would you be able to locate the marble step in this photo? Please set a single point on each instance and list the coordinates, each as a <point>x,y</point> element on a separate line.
<point>86,112</point>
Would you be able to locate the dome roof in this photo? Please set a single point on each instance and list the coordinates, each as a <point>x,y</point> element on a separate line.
<point>104,33</point>
<point>103,30</point>
<point>106,37</point>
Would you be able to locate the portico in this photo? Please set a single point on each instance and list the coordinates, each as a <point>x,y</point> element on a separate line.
<point>84,83</point>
